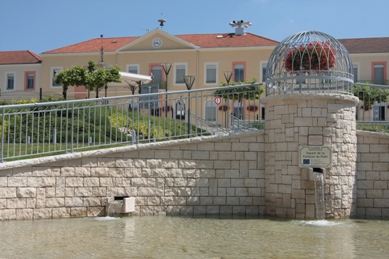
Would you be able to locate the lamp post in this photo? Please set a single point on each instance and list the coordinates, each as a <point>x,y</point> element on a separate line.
<point>166,68</point>
<point>101,64</point>
<point>189,80</point>
<point>227,76</point>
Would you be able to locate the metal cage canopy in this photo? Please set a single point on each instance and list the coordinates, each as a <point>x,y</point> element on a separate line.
<point>309,62</point>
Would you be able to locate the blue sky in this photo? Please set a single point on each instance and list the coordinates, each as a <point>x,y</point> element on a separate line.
<point>42,25</point>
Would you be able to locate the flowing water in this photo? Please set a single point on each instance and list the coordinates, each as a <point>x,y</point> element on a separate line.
<point>179,237</point>
<point>319,195</point>
<point>114,208</point>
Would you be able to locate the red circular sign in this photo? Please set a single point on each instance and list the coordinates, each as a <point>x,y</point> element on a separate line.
<point>217,100</point>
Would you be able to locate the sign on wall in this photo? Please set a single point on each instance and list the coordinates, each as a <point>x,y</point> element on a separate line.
<point>315,156</point>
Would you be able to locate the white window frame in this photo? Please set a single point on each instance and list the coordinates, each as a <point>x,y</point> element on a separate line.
<point>357,65</point>
<point>206,72</point>
<point>30,80</point>
<point>175,72</point>
<point>213,105</point>
<point>52,69</point>
<point>128,66</point>
<point>377,108</point>
<point>378,65</point>
<point>160,68</point>
<point>239,66</point>
<point>6,81</point>
<point>262,65</point>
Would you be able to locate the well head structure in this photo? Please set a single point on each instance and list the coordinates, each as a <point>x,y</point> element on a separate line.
<point>309,106</point>
<point>309,61</point>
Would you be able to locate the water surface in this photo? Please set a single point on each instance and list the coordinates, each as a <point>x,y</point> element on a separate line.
<point>178,237</point>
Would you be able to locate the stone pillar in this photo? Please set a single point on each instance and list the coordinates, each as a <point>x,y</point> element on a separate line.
<point>290,121</point>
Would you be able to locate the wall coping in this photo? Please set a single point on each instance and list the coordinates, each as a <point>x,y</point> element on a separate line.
<point>309,96</point>
<point>106,151</point>
<point>372,134</point>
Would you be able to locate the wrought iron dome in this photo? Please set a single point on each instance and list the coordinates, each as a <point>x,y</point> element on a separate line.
<point>309,62</point>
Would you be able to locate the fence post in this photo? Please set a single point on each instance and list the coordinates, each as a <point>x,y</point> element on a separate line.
<point>40,94</point>
<point>72,128</point>
<point>66,126</point>
<point>2,135</point>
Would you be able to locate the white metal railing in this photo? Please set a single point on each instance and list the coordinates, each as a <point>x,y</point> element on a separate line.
<point>50,128</point>
<point>372,112</point>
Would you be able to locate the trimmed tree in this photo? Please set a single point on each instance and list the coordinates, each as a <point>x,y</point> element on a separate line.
<point>93,78</point>
<point>249,92</point>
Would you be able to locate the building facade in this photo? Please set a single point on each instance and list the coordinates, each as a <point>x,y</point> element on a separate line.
<point>370,57</point>
<point>205,56</point>
<point>20,73</point>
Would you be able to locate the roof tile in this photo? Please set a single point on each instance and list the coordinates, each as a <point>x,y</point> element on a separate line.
<point>215,40</point>
<point>220,40</point>
<point>94,45</point>
<point>366,45</point>
<point>19,57</point>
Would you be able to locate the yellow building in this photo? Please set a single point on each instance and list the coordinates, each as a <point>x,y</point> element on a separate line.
<point>205,56</point>
<point>370,57</point>
<point>19,74</point>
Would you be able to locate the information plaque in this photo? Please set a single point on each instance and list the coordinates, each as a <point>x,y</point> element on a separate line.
<point>315,156</point>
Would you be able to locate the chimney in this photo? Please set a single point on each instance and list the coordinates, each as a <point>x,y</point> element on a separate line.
<point>240,26</point>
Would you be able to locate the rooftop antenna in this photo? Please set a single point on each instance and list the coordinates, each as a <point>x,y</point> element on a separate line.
<point>240,24</point>
<point>161,21</point>
<point>147,30</point>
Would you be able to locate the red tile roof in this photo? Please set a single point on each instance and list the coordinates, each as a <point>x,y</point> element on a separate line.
<point>366,45</point>
<point>227,40</point>
<point>201,40</point>
<point>94,45</point>
<point>19,57</point>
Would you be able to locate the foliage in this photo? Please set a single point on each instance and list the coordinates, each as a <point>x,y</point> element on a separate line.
<point>51,99</point>
<point>52,129</point>
<point>251,91</point>
<point>3,124</point>
<point>93,78</point>
<point>118,120</point>
<point>369,95</point>
<point>25,101</point>
<point>312,56</point>
<point>372,127</point>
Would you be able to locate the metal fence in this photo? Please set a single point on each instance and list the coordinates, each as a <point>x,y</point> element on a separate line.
<point>50,128</point>
<point>372,112</point>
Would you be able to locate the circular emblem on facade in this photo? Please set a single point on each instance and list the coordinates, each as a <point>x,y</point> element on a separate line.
<point>157,43</point>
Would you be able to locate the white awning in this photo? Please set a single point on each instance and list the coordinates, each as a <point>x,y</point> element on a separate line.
<point>130,78</point>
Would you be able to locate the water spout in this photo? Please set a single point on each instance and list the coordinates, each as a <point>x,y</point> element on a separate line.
<point>119,205</point>
<point>114,208</point>
<point>319,195</point>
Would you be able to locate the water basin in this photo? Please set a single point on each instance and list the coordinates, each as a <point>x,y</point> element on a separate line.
<point>180,237</point>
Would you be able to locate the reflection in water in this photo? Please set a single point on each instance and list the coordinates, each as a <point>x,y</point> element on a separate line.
<point>178,237</point>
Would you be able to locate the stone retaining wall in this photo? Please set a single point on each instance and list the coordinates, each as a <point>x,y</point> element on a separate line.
<point>208,175</point>
<point>373,175</point>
